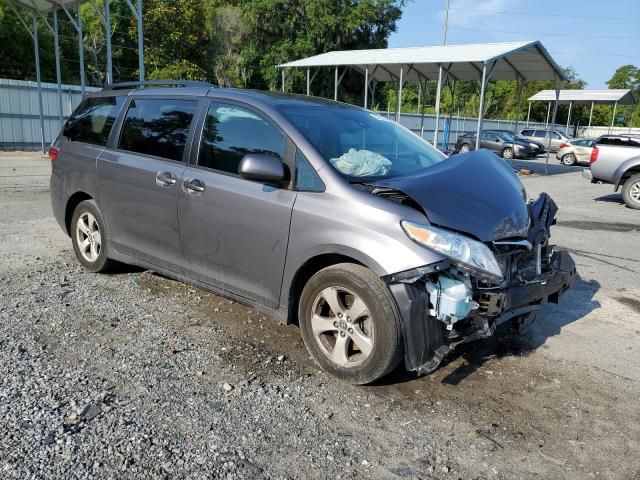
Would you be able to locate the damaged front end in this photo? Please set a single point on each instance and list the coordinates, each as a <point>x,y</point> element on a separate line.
<point>449,303</point>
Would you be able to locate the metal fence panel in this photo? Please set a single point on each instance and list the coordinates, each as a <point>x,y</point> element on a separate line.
<point>20,115</point>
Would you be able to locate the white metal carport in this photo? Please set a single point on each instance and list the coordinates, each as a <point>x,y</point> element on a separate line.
<point>585,97</point>
<point>40,9</point>
<point>520,61</point>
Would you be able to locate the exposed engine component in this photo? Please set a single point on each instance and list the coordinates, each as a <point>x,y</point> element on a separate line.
<point>450,298</point>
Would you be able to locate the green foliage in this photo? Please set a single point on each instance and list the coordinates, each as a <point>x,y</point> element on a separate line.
<point>238,43</point>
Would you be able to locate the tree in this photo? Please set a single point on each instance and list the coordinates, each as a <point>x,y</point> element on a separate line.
<point>627,76</point>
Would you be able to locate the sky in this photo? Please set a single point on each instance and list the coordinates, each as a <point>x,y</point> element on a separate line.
<point>593,36</point>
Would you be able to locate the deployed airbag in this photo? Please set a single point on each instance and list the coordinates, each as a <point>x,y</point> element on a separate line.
<point>361,163</point>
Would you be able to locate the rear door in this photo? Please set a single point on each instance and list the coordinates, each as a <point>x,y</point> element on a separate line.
<point>234,232</point>
<point>139,178</point>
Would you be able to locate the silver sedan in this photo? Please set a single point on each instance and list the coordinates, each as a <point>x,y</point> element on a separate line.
<point>574,151</point>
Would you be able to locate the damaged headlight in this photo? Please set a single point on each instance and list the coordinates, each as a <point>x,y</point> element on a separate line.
<point>465,252</point>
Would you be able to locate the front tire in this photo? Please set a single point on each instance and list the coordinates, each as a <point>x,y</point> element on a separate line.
<point>350,323</point>
<point>465,148</point>
<point>631,192</point>
<point>569,159</point>
<point>89,237</point>
<point>507,153</point>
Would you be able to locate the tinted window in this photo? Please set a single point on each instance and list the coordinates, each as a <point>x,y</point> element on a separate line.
<point>359,144</point>
<point>306,177</point>
<point>231,132</point>
<point>555,136</point>
<point>157,127</point>
<point>620,141</point>
<point>527,133</point>
<point>539,133</point>
<point>93,119</point>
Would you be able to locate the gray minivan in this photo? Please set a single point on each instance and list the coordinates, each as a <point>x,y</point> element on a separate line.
<point>316,212</point>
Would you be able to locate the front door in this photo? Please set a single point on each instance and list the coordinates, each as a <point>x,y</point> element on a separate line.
<point>234,232</point>
<point>139,179</point>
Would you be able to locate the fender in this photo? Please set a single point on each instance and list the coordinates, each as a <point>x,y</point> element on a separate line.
<point>623,168</point>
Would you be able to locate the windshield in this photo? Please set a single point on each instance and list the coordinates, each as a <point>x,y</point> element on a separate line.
<point>361,145</point>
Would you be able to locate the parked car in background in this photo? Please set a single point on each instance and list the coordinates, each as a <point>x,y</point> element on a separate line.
<point>551,139</point>
<point>318,213</point>
<point>615,159</point>
<point>574,151</point>
<point>501,142</point>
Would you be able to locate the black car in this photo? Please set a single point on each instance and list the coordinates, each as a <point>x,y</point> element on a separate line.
<point>503,142</point>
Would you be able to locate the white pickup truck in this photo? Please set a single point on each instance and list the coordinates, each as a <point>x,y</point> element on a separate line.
<point>616,159</point>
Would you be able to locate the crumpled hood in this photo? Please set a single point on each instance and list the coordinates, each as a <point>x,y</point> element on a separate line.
<point>476,193</point>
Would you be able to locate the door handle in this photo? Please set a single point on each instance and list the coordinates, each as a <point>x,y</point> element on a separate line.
<point>165,179</point>
<point>193,185</point>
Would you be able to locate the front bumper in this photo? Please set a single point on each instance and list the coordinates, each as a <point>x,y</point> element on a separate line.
<point>427,340</point>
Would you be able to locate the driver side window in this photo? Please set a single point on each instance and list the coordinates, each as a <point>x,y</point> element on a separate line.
<point>231,132</point>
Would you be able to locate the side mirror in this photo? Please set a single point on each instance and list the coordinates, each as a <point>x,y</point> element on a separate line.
<point>262,168</point>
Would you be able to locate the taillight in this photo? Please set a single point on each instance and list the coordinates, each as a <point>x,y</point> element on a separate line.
<point>594,155</point>
<point>53,153</point>
<point>564,145</point>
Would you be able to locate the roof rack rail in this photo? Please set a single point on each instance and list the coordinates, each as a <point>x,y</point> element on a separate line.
<point>158,83</point>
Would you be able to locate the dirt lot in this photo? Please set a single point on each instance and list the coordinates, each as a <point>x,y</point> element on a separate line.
<point>132,375</point>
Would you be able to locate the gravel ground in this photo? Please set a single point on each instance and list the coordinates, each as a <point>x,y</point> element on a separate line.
<point>133,375</point>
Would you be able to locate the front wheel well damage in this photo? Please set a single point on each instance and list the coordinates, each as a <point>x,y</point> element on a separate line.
<point>305,272</point>
<point>72,203</point>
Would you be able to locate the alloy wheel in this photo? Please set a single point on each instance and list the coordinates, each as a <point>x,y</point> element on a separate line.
<point>634,192</point>
<point>88,237</point>
<point>342,326</point>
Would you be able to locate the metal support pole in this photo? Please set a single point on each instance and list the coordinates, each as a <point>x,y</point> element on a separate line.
<point>566,130</point>
<point>366,86</point>
<point>438,91</point>
<point>308,82</point>
<point>546,123</point>
<point>590,116</point>
<point>515,127</point>
<point>283,79</point>
<point>56,46</point>
<point>140,42</point>
<point>400,95</point>
<point>613,117</point>
<point>335,85</point>
<point>480,114</point>
<point>528,113</point>
<point>548,133</point>
<point>36,49</point>
<point>80,48</point>
<point>107,34</point>
<point>373,93</point>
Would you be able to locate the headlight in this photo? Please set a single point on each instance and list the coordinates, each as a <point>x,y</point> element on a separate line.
<point>468,254</point>
<point>533,145</point>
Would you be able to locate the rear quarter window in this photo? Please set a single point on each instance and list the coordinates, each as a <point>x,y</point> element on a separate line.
<point>93,120</point>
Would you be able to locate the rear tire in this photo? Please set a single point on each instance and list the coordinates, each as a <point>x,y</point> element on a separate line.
<point>350,323</point>
<point>89,237</point>
<point>569,159</point>
<point>631,192</point>
<point>465,148</point>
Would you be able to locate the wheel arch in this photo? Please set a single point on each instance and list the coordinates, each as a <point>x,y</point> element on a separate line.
<point>73,201</point>
<point>307,270</point>
<point>627,169</point>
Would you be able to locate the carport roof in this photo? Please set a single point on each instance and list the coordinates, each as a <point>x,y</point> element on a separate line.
<point>44,5</point>
<point>585,97</point>
<point>527,60</point>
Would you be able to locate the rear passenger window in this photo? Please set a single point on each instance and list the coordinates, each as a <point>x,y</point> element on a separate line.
<point>539,133</point>
<point>231,132</point>
<point>527,133</point>
<point>157,127</point>
<point>93,119</point>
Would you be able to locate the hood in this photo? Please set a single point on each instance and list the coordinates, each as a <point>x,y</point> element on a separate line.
<point>527,142</point>
<point>476,193</point>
